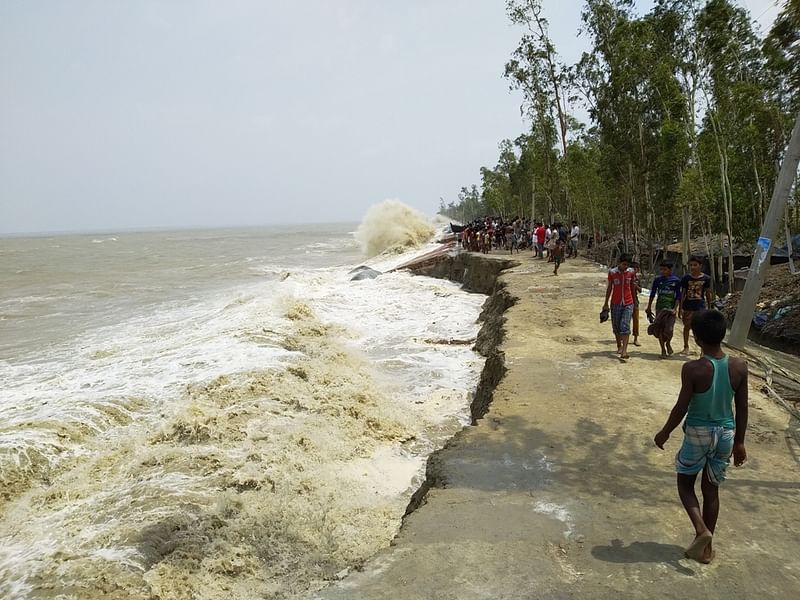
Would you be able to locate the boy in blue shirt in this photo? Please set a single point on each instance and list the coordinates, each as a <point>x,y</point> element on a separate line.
<point>668,289</point>
<point>711,386</point>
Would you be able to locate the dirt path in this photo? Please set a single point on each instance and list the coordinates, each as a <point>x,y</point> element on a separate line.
<point>559,492</point>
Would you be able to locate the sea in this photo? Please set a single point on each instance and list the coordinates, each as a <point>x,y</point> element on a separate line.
<point>218,413</point>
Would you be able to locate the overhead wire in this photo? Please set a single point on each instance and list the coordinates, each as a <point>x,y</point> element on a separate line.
<point>775,4</point>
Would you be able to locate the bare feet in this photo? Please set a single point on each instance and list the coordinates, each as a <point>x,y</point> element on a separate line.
<point>664,355</point>
<point>697,548</point>
<point>685,350</point>
<point>670,351</point>
<point>636,343</point>
<point>708,555</point>
<point>625,356</point>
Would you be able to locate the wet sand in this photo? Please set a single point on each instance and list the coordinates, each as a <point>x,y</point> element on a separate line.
<point>559,492</point>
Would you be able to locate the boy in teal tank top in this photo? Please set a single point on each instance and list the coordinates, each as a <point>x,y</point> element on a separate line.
<point>711,387</point>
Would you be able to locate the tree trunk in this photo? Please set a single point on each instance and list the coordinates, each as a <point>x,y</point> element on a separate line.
<point>686,217</point>
<point>727,200</point>
<point>562,117</point>
<point>729,226</point>
<point>634,222</point>
<point>710,252</point>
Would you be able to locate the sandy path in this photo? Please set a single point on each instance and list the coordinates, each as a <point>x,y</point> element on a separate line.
<point>559,492</point>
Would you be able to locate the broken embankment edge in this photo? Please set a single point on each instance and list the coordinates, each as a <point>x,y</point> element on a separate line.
<point>481,275</point>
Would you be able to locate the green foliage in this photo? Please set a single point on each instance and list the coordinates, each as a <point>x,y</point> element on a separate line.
<point>689,110</point>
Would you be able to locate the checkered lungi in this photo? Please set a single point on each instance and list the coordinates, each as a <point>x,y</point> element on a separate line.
<point>703,446</point>
<point>621,315</point>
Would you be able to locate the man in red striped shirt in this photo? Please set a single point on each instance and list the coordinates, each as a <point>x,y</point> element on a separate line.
<point>621,292</point>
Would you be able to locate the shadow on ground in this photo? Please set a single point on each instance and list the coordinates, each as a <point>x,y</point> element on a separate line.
<point>588,459</point>
<point>642,552</point>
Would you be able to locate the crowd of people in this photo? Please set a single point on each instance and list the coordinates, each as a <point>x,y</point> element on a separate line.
<point>554,242</point>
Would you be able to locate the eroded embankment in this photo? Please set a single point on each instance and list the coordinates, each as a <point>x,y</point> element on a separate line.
<point>477,274</point>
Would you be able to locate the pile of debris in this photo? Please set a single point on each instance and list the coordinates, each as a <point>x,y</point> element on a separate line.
<point>777,316</point>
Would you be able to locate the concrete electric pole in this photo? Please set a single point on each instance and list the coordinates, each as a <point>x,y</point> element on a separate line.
<point>766,243</point>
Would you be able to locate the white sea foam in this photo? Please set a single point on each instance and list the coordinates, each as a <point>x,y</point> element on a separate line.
<point>252,441</point>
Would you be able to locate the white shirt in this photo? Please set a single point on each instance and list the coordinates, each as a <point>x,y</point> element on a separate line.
<point>576,231</point>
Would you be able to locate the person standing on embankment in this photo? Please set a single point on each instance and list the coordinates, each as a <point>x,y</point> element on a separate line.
<point>540,239</point>
<point>574,238</point>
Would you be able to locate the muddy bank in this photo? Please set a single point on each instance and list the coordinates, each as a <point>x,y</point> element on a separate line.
<point>478,274</point>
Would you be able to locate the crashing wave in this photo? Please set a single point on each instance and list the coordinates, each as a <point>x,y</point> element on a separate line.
<point>392,226</point>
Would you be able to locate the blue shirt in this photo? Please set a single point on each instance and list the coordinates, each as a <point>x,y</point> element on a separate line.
<point>668,290</point>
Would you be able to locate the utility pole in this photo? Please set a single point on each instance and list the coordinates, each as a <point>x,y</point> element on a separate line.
<point>789,248</point>
<point>766,243</point>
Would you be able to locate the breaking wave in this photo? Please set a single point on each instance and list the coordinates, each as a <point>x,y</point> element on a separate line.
<point>392,226</point>
<point>256,444</point>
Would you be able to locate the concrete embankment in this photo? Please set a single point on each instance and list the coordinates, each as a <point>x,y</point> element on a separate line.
<point>558,491</point>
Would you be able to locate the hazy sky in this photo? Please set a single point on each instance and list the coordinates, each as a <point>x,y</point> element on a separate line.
<point>144,113</point>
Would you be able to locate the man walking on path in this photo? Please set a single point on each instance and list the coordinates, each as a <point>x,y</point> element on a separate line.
<point>710,387</point>
<point>695,292</point>
<point>620,291</point>
<point>558,255</point>
<point>667,287</point>
<point>563,237</point>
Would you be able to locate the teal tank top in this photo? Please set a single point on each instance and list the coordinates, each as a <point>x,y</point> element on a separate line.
<point>714,407</point>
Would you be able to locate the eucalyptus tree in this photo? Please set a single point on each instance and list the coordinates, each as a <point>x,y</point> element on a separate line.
<point>739,124</point>
<point>612,76</point>
<point>782,51</point>
<point>536,70</point>
<point>688,114</point>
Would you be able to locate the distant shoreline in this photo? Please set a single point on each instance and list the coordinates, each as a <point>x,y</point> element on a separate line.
<point>145,230</point>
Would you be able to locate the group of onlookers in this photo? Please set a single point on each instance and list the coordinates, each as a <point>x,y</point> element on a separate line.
<point>495,233</point>
<point>552,241</point>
